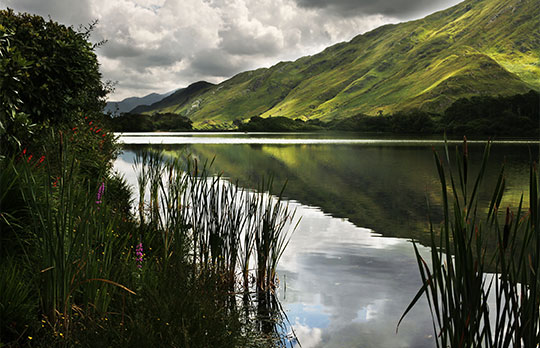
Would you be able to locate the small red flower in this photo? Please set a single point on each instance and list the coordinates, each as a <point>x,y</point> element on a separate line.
<point>41,159</point>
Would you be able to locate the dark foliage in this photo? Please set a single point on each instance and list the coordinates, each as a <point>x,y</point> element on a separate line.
<point>517,115</point>
<point>413,121</point>
<point>129,122</point>
<point>132,123</point>
<point>361,123</point>
<point>405,122</point>
<point>171,122</point>
<point>514,115</point>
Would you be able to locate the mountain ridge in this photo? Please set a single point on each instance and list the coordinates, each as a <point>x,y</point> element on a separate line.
<point>179,97</point>
<point>127,104</point>
<point>477,47</point>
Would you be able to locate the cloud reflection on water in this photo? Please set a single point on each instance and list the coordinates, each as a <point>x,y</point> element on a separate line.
<point>359,282</point>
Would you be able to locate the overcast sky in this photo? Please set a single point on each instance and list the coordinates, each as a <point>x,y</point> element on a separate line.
<point>161,45</point>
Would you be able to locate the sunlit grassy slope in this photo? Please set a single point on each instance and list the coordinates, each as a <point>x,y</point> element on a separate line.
<point>478,47</point>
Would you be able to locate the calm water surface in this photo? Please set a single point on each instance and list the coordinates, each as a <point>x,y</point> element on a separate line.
<point>349,271</point>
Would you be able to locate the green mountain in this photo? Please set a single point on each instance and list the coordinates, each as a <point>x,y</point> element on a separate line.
<point>478,47</point>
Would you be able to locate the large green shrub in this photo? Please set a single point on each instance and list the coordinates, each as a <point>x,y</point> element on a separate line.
<point>50,77</point>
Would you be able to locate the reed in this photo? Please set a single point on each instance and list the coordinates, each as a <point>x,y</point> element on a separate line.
<point>223,228</point>
<point>225,224</point>
<point>458,284</point>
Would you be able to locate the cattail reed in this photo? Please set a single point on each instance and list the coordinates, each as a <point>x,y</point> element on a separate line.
<point>458,283</point>
<point>224,229</point>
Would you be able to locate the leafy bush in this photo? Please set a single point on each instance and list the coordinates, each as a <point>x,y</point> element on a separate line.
<point>52,68</point>
<point>50,79</point>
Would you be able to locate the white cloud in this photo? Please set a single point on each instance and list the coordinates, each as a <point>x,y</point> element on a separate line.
<point>159,45</point>
<point>309,337</point>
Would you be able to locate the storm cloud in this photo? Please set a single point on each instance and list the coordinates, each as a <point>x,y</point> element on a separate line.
<point>161,45</point>
<point>402,9</point>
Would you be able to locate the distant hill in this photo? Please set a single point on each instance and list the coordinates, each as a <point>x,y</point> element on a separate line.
<point>180,97</point>
<point>476,48</point>
<point>128,104</point>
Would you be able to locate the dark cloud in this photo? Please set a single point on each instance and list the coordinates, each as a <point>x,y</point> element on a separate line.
<point>215,62</point>
<point>59,10</point>
<point>161,59</point>
<point>112,49</point>
<point>402,9</point>
<point>239,41</point>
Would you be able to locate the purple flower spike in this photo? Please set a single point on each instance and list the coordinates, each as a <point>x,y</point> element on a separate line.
<point>139,255</point>
<point>100,192</point>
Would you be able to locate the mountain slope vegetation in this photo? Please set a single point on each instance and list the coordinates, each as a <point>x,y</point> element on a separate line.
<point>476,48</point>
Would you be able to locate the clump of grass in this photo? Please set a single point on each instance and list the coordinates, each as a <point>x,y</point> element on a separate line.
<point>458,285</point>
<point>71,238</point>
<point>17,305</point>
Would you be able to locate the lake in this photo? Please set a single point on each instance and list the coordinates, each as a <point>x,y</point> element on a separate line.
<point>349,271</point>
